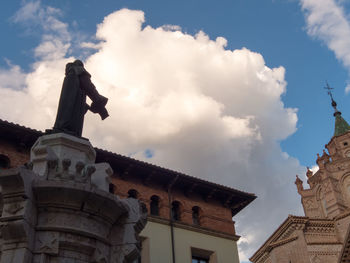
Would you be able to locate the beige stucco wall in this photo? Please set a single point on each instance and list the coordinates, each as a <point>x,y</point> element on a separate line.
<point>159,245</point>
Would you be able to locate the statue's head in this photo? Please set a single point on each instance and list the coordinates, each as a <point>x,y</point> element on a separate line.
<point>78,63</point>
<point>70,66</point>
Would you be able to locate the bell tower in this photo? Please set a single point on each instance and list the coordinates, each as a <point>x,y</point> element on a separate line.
<point>329,188</point>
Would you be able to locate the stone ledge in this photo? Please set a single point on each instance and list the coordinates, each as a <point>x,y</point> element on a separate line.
<point>92,201</point>
<point>193,228</point>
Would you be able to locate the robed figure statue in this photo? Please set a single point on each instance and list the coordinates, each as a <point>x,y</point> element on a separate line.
<point>72,105</point>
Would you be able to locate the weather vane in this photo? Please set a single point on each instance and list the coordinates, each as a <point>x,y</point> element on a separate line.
<point>334,104</point>
<point>329,90</point>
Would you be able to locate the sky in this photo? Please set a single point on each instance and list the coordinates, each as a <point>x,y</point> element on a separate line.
<point>229,91</point>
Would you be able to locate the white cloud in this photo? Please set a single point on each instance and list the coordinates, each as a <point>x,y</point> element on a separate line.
<point>56,39</point>
<point>327,21</point>
<point>27,12</point>
<point>347,89</point>
<point>314,169</point>
<point>13,77</point>
<point>199,108</point>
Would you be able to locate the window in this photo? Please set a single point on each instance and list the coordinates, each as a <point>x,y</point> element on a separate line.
<point>195,215</point>
<point>132,193</point>
<point>154,205</point>
<point>4,162</point>
<point>199,260</point>
<point>203,256</point>
<point>324,205</point>
<point>175,211</point>
<point>111,188</point>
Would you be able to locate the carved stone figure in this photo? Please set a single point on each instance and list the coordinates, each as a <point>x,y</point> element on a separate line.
<point>72,105</point>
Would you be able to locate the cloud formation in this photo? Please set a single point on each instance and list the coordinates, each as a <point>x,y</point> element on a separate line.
<point>181,101</point>
<point>326,20</point>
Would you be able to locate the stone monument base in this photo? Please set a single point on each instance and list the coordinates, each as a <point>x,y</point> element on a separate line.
<point>53,212</point>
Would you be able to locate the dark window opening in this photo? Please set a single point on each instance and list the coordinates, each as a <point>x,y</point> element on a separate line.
<point>195,215</point>
<point>199,260</point>
<point>154,205</point>
<point>4,162</point>
<point>201,255</point>
<point>111,188</point>
<point>132,193</point>
<point>345,143</point>
<point>175,211</point>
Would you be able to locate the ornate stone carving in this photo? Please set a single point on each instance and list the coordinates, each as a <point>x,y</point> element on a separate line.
<point>309,203</point>
<point>316,259</point>
<point>101,254</point>
<point>79,167</point>
<point>13,208</point>
<point>47,242</point>
<point>54,214</point>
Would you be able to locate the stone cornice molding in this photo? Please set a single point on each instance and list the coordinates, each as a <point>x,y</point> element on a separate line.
<point>198,229</point>
<point>283,231</point>
<point>328,242</point>
<point>341,216</point>
<point>281,242</point>
<point>292,223</point>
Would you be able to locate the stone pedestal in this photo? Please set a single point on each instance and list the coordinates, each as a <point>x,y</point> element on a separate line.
<point>53,213</point>
<point>65,157</point>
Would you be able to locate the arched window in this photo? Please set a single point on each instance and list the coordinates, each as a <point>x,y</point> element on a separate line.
<point>4,162</point>
<point>132,193</point>
<point>154,205</point>
<point>324,205</point>
<point>111,188</point>
<point>195,215</point>
<point>175,211</point>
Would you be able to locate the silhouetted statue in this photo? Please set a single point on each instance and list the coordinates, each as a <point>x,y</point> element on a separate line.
<point>72,105</point>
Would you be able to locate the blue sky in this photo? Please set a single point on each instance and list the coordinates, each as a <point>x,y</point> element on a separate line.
<point>278,30</point>
<point>274,28</point>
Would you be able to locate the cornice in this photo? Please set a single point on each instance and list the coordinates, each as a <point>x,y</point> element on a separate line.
<point>281,242</point>
<point>291,224</point>
<point>327,243</point>
<point>343,215</point>
<point>298,221</point>
<point>198,229</point>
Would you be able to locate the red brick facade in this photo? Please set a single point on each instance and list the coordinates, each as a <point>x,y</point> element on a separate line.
<point>213,215</point>
<point>17,154</point>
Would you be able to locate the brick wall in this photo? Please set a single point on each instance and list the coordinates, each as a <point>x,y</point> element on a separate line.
<point>213,215</point>
<point>17,154</point>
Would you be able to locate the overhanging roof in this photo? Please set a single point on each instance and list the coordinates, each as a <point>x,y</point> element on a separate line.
<point>232,198</point>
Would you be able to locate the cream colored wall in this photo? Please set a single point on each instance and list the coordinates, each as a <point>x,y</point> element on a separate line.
<point>160,245</point>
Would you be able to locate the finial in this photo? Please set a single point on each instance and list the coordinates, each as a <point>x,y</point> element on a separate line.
<point>299,184</point>
<point>329,92</point>
<point>309,173</point>
<point>341,126</point>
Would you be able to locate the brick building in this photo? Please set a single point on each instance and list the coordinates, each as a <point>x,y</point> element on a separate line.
<point>322,235</point>
<point>189,218</point>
